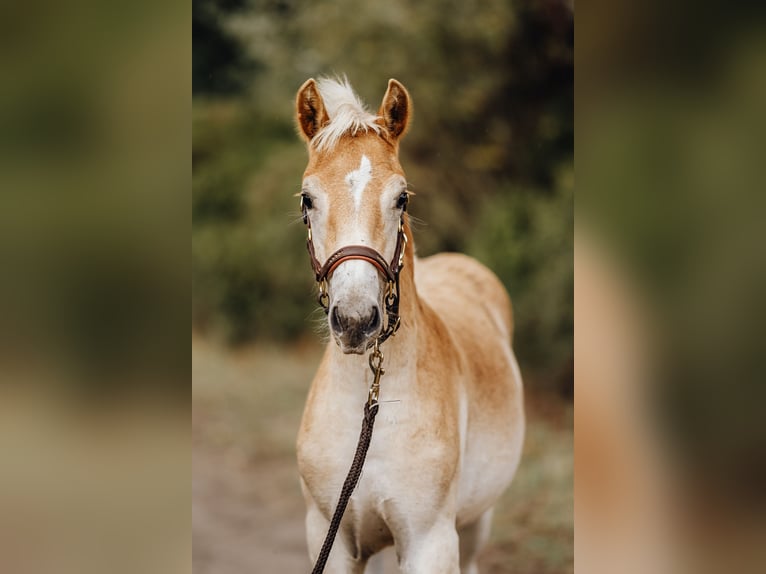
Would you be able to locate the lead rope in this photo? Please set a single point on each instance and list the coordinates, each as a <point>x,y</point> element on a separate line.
<point>365,436</point>
<point>391,271</point>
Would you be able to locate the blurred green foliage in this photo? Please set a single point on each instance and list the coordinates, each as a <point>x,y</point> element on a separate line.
<point>94,179</point>
<point>220,66</point>
<point>526,239</point>
<point>489,153</point>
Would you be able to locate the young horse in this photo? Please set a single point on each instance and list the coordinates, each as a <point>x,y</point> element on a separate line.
<point>451,424</point>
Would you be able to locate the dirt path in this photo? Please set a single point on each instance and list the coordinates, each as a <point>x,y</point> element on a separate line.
<point>243,518</point>
<point>247,509</point>
<point>247,517</point>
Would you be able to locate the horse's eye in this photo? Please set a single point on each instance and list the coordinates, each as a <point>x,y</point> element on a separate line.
<point>306,201</point>
<point>401,202</point>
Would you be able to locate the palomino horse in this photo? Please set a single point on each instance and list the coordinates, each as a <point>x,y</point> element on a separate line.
<point>451,424</point>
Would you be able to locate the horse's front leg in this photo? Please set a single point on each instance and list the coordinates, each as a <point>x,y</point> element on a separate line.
<point>432,550</point>
<point>340,560</point>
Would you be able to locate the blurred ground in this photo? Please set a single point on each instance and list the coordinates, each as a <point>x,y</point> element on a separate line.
<point>246,503</point>
<point>88,487</point>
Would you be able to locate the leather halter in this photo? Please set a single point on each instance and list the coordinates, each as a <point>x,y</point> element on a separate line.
<point>389,271</point>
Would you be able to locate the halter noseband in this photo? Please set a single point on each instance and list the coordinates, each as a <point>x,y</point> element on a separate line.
<point>389,271</point>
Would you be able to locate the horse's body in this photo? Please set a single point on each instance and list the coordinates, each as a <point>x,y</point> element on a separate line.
<point>450,427</point>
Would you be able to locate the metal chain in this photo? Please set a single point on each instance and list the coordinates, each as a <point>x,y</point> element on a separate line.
<point>376,364</point>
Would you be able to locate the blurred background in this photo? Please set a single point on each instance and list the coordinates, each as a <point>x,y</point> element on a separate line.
<point>669,284</point>
<point>490,157</point>
<point>94,287</point>
<point>95,210</point>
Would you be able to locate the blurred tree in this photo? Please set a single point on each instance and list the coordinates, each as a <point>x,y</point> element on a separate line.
<point>535,98</point>
<point>489,154</point>
<point>219,62</point>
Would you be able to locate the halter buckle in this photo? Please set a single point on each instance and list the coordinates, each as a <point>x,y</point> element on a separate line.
<point>323,298</point>
<point>390,293</point>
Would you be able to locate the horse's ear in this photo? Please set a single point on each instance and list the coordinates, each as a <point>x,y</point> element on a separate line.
<point>310,110</point>
<point>396,109</point>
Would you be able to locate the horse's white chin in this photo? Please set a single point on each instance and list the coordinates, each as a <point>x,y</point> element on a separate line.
<point>348,350</point>
<point>354,343</point>
<point>357,351</point>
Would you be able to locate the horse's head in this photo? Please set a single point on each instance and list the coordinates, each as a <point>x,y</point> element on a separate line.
<point>354,194</point>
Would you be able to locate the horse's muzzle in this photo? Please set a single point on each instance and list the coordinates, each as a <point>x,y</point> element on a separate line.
<point>352,330</point>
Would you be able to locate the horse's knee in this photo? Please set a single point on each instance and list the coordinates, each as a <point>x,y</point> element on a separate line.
<point>340,560</point>
<point>436,551</point>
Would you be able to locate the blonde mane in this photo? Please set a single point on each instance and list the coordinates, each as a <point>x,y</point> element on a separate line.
<point>347,113</point>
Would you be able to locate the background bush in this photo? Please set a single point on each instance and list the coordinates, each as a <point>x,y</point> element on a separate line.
<point>489,153</point>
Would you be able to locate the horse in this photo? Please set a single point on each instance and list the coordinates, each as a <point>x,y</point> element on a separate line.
<point>450,430</point>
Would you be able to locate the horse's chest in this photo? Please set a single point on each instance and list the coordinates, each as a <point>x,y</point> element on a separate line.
<point>406,464</point>
<point>326,451</point>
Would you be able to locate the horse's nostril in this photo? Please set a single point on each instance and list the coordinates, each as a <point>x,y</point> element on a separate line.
<point>335,321</point>
<point>341,323</point>
<point>374,322</point>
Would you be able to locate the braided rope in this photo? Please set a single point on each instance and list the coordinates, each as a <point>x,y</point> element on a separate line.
<point>349,484</point>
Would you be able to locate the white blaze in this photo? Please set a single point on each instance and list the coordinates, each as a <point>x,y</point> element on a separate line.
<point>358,179</point>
